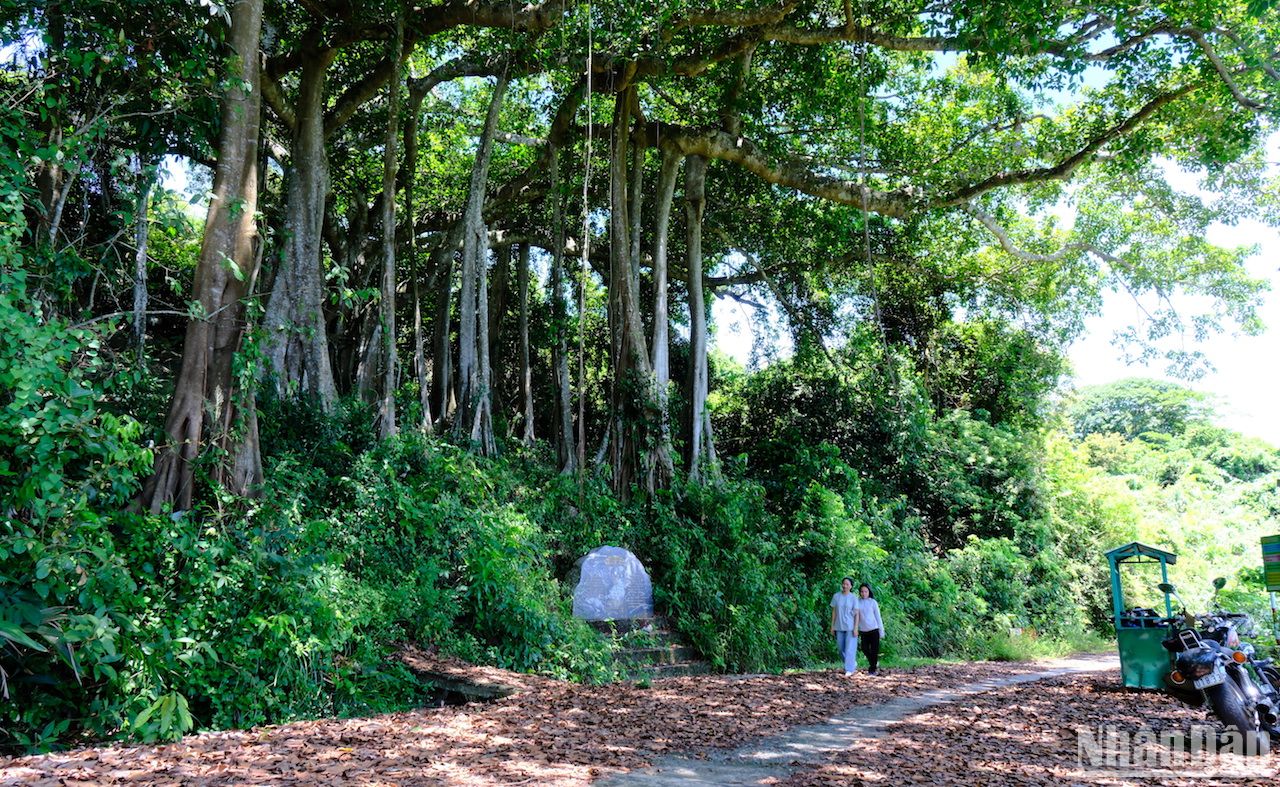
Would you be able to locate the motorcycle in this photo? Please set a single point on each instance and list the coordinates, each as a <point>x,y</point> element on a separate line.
<point>1211,663</point>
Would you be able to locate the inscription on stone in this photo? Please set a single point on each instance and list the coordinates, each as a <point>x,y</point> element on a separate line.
<point>612,585</point>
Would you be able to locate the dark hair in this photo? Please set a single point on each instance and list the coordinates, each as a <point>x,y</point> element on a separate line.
<point>870,593</point>
<point>847,579</point>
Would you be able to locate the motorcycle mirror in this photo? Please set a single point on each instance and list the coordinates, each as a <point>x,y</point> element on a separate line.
<point>1165,587</point>
<point>1219,583</point>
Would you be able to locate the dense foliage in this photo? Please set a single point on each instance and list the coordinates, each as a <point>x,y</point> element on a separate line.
<point>291,607</point>
<point>426,347</point>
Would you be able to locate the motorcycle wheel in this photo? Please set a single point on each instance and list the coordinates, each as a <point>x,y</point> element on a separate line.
<point>1230,706</point>
<point>1273,675</point>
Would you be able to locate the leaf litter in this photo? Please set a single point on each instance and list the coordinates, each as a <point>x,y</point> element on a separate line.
<point>556,733</point>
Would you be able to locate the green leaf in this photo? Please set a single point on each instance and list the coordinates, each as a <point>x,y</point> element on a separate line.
<point>14,634</point>
<point>142,718</point>
<point>166,712</point>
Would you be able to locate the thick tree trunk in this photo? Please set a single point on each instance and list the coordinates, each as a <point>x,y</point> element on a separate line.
<point>296,347</point>
<point>419,348</point>
<point>567,452</point>
<point>347,245</point>
<point>482,434</point>
<point>471,241</point>
<point>206,384</point>
<point>442,382</point>
<point>499,294</point>
<point>369,356</point>
<point>635,205</point>
<point>526,371</point>
<point>473,375</point>
<point>632,401</point>
<point>415,274</point>
<point>661,322</point>
<point>621,460</point>
<point>141,234</point>
<point>387,407</point>
<point>701,445</point>
<point>661,350</point>
<point>583,267</point>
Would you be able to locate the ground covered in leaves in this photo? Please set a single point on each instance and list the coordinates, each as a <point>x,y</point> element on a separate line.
<point>1029,735</point>
<point>566,734</point>
<point>549,733</point>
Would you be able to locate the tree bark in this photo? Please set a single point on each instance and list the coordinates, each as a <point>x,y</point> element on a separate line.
<point>296,347</point>
<point>621,461</point>
<point>661,224</point>
<point>442,381</point>
<point>473,376</point>
<point>141,234</point>
<point>419,352</point>
<point>347,245</point>
<point>635,204</point>
<point>632,398</point>
<point>387,407</point>
<point>482,434</point>
<point>499,294</point>
<point>415,274</point>
<point>701,445</point>
<point>206,384</point>
<point>566,450</point>
<point>51,193</point>
<point>526,372</point>
<point>661,350</point>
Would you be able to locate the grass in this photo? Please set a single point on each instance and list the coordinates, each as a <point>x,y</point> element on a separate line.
<point>1006,647</point>
<point>999,647</point>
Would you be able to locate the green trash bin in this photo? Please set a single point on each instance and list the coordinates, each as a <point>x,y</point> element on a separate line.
<point>1144,662</point>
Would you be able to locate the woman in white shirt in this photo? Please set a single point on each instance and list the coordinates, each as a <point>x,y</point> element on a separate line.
<point>870,626</point>
<point>844,624</point>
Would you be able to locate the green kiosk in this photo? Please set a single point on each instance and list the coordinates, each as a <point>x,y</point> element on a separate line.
<point>1143,660</point>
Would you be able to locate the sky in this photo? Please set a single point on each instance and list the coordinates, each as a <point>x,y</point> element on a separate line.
<point>1246,377</point>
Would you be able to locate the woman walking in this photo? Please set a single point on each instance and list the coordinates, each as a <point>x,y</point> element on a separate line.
<point>844,624</point>
<point>870,627</point>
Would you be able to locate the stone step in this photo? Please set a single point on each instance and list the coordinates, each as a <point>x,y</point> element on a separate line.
<point>656,625</point>
<point>651,648</point>
<point>661,654</point>
<point>678,670</point>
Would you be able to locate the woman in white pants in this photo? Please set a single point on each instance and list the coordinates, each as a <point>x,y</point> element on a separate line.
<point>844,624</point>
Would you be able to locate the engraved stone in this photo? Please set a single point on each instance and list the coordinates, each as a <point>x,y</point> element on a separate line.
<point>612,585</point>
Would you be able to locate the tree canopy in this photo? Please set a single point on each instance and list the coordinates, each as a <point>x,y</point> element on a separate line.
<point>865,159</point>
<point>1136,406</point>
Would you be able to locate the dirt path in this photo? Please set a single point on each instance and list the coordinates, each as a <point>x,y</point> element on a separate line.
<point>555,733</point>
<point>1077,729</point>
<point>771,760</point>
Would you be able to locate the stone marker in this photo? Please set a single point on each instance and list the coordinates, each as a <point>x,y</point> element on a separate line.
<point>612,585</point>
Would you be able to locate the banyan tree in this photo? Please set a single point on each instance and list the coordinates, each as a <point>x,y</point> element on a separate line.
<point>510,221</point>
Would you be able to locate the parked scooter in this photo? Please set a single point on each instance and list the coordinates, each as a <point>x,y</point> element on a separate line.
<point>1210,662</point>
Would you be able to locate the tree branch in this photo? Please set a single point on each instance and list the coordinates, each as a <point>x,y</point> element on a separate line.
<point>1203,42</point>
<point>275,99</point>
<point>1064,168</point>
<point>736,18</point>
<point>721,145</point>
<point>363,90</point>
